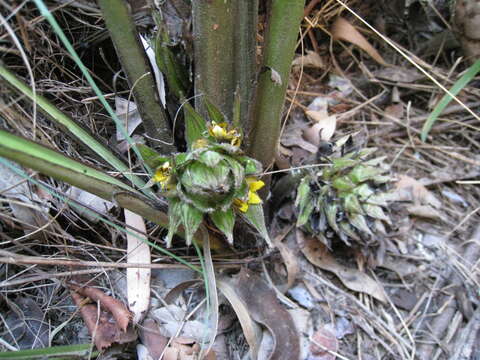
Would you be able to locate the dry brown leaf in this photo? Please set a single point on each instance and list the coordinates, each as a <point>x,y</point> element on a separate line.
<point>119,311</point>
<point>138,280</point>
<point>152,339</point>
<point>105,329</point>
<point>318,254</point>
<point>394,110</point>
<point>186,351</point>
<point>323,129</point>
<point>174,293</point>
<point>409,189</point>
<point>251,331</point>
<point>323,341</point>
<point>129,116</point>
<point>26,205</point>
<point>263,306</point>
<point>289,258</point>
<point>343,30</point>
<point>94,202</point>
<point>292,137</point>
<point>399,74</point>
<point>26,324</point>
<point>424,211</point>
<point>311,59</point>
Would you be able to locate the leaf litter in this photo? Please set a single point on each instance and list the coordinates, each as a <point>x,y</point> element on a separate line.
<point>419,249</point>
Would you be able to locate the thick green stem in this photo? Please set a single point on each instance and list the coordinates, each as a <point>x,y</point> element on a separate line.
<point>60,167</point>
<point>135,64</point>
<point>225,44</point>
<point>214,48</point>
<point>245,58</point>
<point>280,41</point>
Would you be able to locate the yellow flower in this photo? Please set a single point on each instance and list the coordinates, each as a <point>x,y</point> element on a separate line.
<point>162,175</point>
<point>223,132</point>
<point>253,186</point>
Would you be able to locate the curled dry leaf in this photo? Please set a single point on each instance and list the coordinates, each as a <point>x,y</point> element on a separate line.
<point>143,354</point>
<point>264,308</point>
<point>394,110</point>
<point>424,211</point>
<point>251,330</point>
<point>343,30</point>
<point>311,59</point>
<point>172,323</point>
<point>289,257</point>
<point>323,129</point>
<point>129,116</point>
<point>94,202</point>
<point>118,310</point>
<point>138,280</point>
<point>26,324</point>
<point>410,189</point>
<point>104,329</point>
<point>324,344</point>
<point>152,339</point>
<point>14,187</point>
<point>156,71</point>
<point>318,254</point>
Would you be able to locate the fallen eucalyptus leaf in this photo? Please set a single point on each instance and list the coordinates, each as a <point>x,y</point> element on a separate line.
<point>263,306</point>
<point>318,254</point>
<point>251,330</point>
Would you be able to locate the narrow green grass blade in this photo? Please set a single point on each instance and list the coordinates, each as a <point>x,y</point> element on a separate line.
<point>58,30</point>
<point>442,104</point>
<point>72,127</point>
<point>54,352</point>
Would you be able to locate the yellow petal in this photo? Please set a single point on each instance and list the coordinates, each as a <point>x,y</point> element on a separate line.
<point>253,198</point>
<point>242,205</point>
<point>236,141</point>
<point>162,174</point>
<point>254,184</point>
<point>218,131</point>
<point>159,176</point>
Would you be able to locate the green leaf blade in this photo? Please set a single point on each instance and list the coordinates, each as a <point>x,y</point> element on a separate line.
<point>442,104</point>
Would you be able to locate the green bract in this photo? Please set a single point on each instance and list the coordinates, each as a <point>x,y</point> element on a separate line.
<point>345,200</point>
<point>213,178</point>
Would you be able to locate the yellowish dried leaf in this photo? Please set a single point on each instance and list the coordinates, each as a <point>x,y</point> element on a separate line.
<point>343,30</point>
